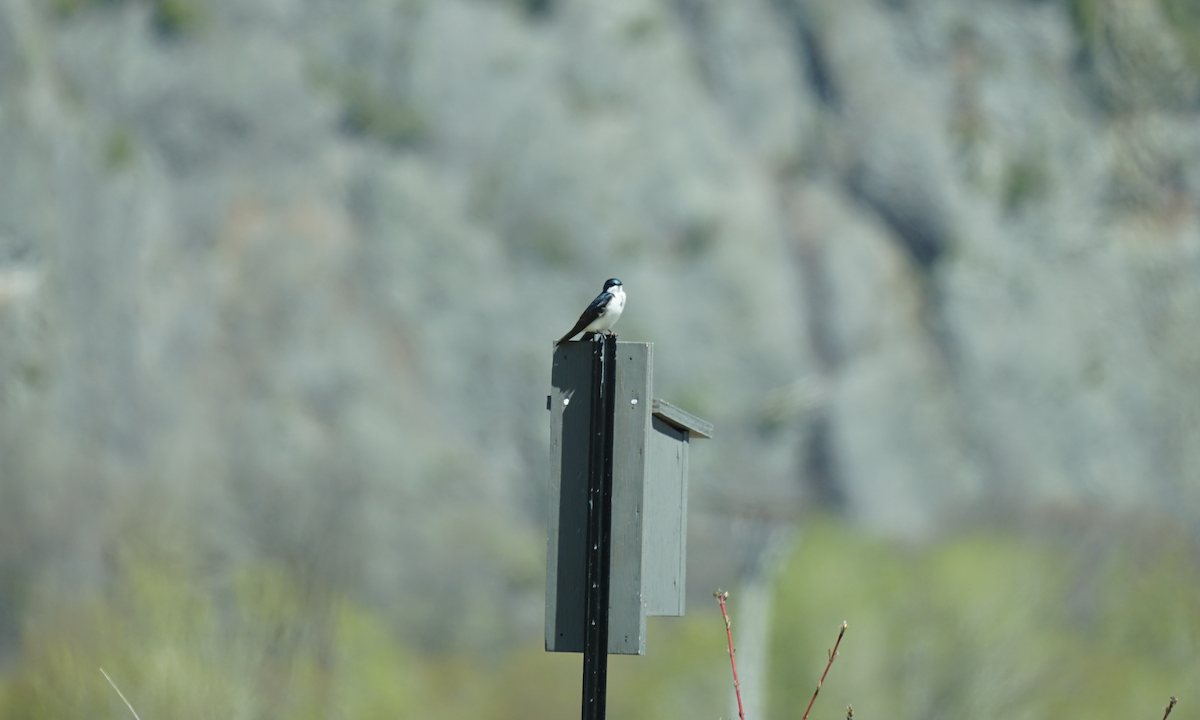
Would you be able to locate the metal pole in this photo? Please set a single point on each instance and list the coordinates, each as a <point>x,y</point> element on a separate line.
<point>599,528</point>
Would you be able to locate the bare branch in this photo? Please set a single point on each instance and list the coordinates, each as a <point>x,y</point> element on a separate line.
<point>1170,707</point>
<point>832,654</point>
<point>737,687</point>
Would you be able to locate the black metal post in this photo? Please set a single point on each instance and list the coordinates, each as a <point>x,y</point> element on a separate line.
<point>599,528</point>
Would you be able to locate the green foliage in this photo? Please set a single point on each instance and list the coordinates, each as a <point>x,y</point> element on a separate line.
<point>990,625</point>
<point>275,651</point>
<point>372,112</point>
<point>1091,16</point>
<point>175,18</point>
<point>1026,179</point>
<point>265,644</point>
<point>170,18</point>
<point>644,27</point>
<point>1143,70</point>
<point>683,674</point>
<point>119,150</point>
<point>1184,17</point>
<point>66,8</point>
<point>1087,17</point>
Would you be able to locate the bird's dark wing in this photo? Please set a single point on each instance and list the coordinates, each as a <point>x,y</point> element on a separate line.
<point>593,311</point>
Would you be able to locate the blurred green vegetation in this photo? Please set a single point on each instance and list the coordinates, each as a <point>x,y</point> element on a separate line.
<point>369,110</point>
<point>66,8</point>
<point>1145,69</point>
<point>1103,623</point>
<point>990,623</point>
<point>644,27</point>
<point>269,645</point>
<point>120,149</point>
<point>171,18</point>
<point>1183,16</point>
<point>1027,179</point>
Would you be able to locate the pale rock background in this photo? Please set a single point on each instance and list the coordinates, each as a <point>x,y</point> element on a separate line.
<point>287,273</point>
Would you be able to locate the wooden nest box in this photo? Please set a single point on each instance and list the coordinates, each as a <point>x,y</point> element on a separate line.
<point>650,439</point>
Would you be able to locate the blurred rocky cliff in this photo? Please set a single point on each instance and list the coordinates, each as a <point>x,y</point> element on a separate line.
<point>284,275</point>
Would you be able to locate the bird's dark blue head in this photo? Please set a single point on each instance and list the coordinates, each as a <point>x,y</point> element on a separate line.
<point>611,282</point>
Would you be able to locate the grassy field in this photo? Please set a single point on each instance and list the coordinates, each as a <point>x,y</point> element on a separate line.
<point>1096,622</point>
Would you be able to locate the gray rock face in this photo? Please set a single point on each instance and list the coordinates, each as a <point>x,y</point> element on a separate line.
<point>296,267</point>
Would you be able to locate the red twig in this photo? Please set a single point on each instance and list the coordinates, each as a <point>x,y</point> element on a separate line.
<point>1170,707</point>
<point>832,654</point>
<point>737,688</point>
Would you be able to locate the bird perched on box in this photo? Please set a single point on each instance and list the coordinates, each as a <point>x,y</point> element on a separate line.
<point>602,313</point>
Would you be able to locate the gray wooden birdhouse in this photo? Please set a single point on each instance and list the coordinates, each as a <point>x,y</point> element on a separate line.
<point>649,479</point>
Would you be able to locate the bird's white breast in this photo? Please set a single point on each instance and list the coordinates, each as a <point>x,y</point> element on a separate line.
<point>611,312</point>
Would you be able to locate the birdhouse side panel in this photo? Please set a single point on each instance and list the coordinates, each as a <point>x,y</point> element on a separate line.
<point>665,531</point>
<point>631,430</point>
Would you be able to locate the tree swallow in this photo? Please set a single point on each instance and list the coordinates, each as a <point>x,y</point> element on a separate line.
<point>602,313</point>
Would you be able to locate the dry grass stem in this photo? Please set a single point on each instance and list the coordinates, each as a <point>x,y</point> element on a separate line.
<point>832,654</point>
<point>135,715</point>
<point>1170,707</point>
<point>737,687</point>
